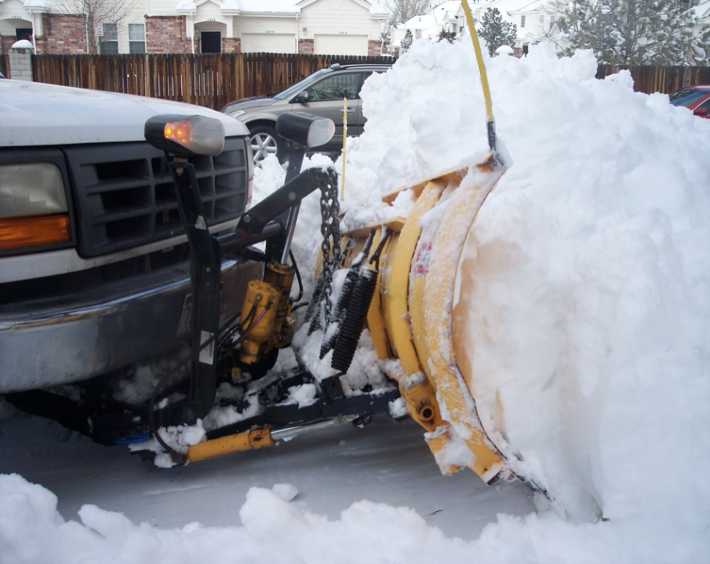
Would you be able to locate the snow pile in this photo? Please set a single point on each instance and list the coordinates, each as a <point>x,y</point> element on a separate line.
<point>588,310</point>
<point>588,265</point>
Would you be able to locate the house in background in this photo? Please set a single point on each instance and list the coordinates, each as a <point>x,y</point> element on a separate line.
<point>533,19</point>
<point>447,17</point>
<point>340,27</point>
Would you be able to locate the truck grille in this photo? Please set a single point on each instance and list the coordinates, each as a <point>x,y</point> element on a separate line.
<point>125,197</point>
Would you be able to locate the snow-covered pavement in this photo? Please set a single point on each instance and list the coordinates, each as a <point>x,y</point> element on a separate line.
<point>387,461</point>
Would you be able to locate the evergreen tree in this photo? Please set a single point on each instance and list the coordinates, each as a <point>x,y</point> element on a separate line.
<point>497,32</point>
<point>634,32</point>
<point>407,41</point>
<point>447,35</point>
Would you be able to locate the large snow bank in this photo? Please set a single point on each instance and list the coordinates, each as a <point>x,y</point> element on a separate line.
<point>590,308</point>
<point>588,321</point>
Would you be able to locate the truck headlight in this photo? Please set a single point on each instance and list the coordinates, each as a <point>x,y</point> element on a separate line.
<point>33,206</point>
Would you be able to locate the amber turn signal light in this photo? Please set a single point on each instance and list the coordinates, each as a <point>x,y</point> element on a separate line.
<point>19,232</point>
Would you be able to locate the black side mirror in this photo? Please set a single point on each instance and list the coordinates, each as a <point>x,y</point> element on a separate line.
<point>305,129</point>
<point>301,97</point>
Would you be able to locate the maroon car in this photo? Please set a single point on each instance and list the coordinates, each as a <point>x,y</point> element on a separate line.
<point>695,98</point>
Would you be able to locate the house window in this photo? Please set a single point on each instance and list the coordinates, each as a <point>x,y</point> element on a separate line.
<point>109,42</point>
<point>522,21</point>
<point>136,38</point>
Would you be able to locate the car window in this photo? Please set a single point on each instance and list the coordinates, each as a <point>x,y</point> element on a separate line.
<point>705,104</point>
<point>686,97</point>
<point>336,87</point>
<point>296,88</point>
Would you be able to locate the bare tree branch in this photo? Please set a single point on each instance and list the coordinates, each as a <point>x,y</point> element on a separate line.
<point>97,12</point>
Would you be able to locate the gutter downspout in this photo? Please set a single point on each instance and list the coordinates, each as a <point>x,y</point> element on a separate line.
<point>34,32</point>
<point>189,23</point>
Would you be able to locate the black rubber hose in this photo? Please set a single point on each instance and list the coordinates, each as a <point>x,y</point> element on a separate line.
<point>354,321</point>
<point>341,308</point>
<point>298,277</point>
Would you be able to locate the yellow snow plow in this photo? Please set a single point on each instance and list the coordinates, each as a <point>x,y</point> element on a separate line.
<point>401,284</point>
<point>398,278</point>
<point>410,315</point>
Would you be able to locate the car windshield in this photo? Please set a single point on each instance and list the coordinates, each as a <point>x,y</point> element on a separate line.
<point>686,97</point>
<point>296,88</point>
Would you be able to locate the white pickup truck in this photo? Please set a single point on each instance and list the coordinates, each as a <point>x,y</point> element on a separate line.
<point>94,265</point>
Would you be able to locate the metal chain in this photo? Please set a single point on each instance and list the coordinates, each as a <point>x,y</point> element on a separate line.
<point>330,247</point>
<point>330,229</point>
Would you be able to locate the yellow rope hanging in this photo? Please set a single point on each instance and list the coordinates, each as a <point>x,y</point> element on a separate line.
<point>479,60</point>
<point>484,79</point>
<point>345,134</point>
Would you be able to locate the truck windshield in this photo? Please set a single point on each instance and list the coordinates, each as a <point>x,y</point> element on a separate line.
<point>296,88</point>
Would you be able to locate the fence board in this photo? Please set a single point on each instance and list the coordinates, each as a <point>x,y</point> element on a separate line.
<point>213,80</point>
<point>660,79</point>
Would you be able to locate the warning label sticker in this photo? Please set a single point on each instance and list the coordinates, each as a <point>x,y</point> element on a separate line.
<point>422,259</point>
<point>207,353</point>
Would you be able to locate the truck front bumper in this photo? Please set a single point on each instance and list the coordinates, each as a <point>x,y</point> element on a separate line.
<point>76,337</point>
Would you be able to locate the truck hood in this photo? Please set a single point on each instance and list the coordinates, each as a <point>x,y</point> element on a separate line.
<point>34,114</point>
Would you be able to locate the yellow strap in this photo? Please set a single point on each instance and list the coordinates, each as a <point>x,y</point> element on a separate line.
<point>345,134</point>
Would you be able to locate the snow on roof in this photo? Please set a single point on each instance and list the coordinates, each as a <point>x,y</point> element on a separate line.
<point>441,13</point>
<point>701,10</point>
<point>508,6</point>
<point>376,9</point>
<point>270,6</point>
<point>36,4</point>
<point>186,5</point>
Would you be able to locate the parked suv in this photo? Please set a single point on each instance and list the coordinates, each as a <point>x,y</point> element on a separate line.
<point>94,263</point>
<point>321,94</point>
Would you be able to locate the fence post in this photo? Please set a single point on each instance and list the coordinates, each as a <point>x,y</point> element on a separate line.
<point>21,60</point>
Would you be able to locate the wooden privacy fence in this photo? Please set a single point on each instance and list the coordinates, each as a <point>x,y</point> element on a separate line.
<point>215,80</point>
<point>660,79</point>
<point>206,80</point>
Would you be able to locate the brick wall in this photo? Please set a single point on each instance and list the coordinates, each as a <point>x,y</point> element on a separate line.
<point>166,34</point>
<point>6,41</point>
<point>63,35</point>
<point>374,48</point>
<point>306,46</point>
<point>231,45</point>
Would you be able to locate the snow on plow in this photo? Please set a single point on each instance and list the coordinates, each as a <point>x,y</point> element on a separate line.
<point>410,318</point>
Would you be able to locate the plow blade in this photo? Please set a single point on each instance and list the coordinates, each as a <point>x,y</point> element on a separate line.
<point>410,319</point>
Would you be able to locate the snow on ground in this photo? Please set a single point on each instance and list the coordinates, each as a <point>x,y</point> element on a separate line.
<point>588,314</point>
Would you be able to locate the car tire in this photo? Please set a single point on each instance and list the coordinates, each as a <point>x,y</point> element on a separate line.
<point>264,142</point>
